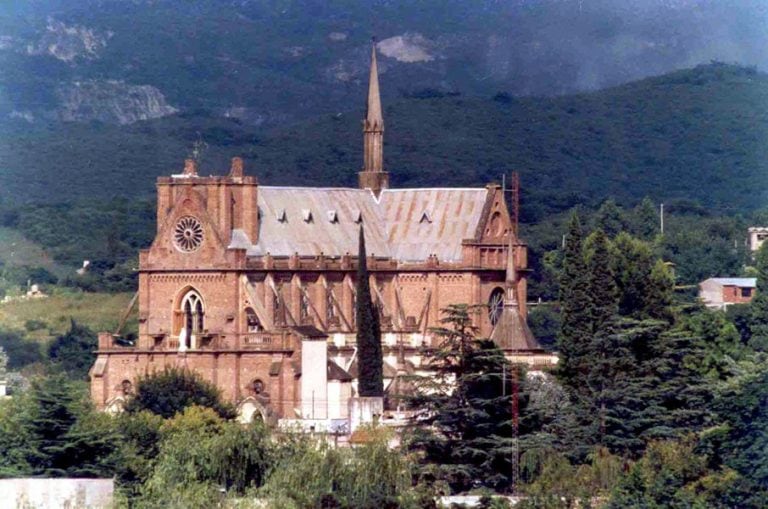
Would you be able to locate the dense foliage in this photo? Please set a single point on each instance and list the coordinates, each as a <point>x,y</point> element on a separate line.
<point>665,136</point>
<point>75,351</point>
<point>465,433</point>
<point>170,391</point>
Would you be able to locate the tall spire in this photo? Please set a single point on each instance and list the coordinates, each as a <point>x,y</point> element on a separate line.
<point>373,116</point>
<point>373,176</point>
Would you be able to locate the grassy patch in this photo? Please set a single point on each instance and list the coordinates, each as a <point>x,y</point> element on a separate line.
<point>17,251</point>
<point>97,311</point>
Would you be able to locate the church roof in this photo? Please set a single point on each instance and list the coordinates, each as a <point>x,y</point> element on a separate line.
<point>421,222</point>
<point>407,225</point>
<point>511,332</point>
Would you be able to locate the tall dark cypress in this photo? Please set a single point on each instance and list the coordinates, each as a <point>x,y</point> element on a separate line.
<point>370,380</point>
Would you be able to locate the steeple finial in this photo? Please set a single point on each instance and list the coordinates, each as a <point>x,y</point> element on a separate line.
<point>373,115</point>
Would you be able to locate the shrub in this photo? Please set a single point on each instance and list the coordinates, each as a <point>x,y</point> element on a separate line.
<point>169,392</point>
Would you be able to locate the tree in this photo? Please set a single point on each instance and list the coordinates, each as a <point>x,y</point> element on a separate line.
<point>199,453</point>
<point>661,285</point>
<point>370,359</point>
<point>633,263</point>
<point>465,432</point>
<point>742,405</point>
<point>645,220</point>
<point>603,295</point>
<point>74,352</point>
<point>674,474</point>
<point>759,304</point>
<point>576,328</point>
<point>369,476</point>
<point>610,218</point>
<point>170,391</point>
<point>20,351</point>
<point>553,482</point>
<point>53,431</point>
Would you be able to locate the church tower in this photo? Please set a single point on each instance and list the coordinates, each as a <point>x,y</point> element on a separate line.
<point>373,176</point>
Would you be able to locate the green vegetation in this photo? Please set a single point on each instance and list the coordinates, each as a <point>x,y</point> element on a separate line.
<point>43,319</point>
<point>465,432</point>
<point>371,378</point>
<point>74,352</point>
<point>169,392</point>
<point>662,137</point>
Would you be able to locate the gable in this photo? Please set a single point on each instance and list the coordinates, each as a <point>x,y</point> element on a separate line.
<point>187,236</point>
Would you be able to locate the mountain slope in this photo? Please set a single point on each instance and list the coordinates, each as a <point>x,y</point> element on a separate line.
<point>695,134</point>
<point>272,62</point>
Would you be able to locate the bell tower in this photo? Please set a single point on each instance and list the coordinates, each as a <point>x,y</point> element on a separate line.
<point>373,176</point>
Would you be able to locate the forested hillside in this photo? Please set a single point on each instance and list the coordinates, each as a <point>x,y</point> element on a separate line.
<point>697,134</point>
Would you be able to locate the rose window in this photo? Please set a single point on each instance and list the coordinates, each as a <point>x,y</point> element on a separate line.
<point>188,234</point>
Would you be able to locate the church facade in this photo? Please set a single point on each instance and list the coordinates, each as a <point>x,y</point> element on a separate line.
<point>253,286</point>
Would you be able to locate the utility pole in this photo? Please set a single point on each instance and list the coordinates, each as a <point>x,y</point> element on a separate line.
<point>515,428</point>
<point>515,202</point>
<point>661,217</point>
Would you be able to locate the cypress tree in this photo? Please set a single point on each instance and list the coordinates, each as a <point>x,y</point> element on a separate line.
<point>576,328</point>
<point>370,361</point>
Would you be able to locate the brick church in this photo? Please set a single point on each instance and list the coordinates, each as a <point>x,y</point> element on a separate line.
<point>253,286</point>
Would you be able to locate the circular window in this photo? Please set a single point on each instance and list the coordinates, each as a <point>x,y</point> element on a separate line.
<point>495,305</point>
<point>188,234</point>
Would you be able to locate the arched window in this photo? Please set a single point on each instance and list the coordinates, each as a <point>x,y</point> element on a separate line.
<point>330,310</point>
<point>127,387</point>
<point>278,308</point>
<point>253,321</point>
<point>495,305</point>
<point>192,320</point>
<point>304,307</point>
<point>257,386</point>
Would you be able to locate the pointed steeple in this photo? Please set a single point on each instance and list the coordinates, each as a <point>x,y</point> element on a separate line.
<point>511,332</point>
<point>373,117</point>
<point>373,176</point>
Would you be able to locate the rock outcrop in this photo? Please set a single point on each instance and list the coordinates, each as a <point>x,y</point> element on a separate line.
<point>111,101</point>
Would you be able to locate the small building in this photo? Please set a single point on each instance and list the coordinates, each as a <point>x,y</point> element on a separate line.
<point>757,235</point>
<point>721,292</point>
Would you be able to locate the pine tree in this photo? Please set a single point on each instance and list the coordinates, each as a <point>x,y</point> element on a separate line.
<point>610,218</point>
<point>465,431</point>
<point>67,439</point>
<point>603,295</point>
<point>645,221</point>
<point>74,352</point>
<point>658,299</point>
<point>576,328</point>
<point>633,263</point>
<point>759,305</point>
<point>370,360</point>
